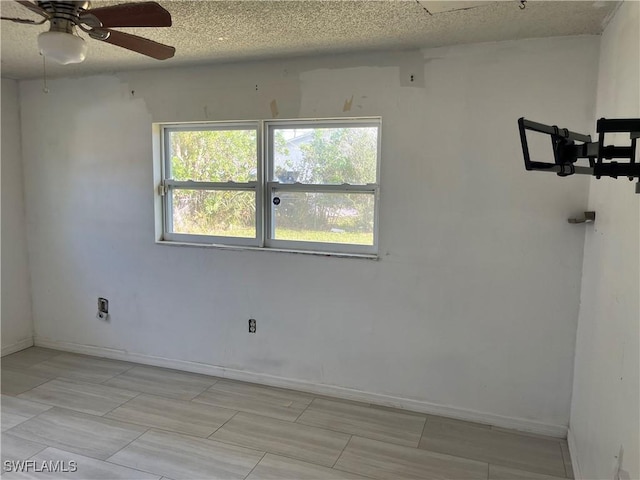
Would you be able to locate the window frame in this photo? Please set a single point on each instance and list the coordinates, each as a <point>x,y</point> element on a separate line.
<point>264,187</point>
<point>168,184</point>
<point>270,186</point>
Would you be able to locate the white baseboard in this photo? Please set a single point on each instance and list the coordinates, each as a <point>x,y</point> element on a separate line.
<point>16,347</point>
<point>413,405</point>
<point>571,441</point>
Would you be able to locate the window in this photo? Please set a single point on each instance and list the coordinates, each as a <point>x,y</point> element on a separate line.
<point>304,185</point>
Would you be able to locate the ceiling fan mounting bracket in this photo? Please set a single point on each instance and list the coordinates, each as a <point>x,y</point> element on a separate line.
<point>90,20</point>
<point>97,33</point>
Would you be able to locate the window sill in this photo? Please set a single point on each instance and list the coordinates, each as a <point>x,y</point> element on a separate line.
<point>364,256</point>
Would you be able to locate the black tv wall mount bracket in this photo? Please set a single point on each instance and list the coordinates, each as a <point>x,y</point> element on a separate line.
<point>569,147</point>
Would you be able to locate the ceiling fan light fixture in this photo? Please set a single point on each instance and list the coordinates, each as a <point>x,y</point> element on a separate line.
<point>62,47</point>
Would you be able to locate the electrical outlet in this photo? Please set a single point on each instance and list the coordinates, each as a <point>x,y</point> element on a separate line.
<point>103,305</point>
<point>252,325</point>
<point>103,309</point>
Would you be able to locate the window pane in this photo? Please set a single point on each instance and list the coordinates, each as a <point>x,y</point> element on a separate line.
<point>324,217</point>
<point>325,155</point>
<point>228,213</point>
<point>213,155</point>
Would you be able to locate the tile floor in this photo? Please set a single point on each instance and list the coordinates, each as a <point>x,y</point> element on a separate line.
<point>120,420</point>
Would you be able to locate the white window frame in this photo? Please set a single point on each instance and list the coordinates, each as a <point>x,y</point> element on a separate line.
<point>264,187</point>
<point>168,184</point>
<point>271,186</point>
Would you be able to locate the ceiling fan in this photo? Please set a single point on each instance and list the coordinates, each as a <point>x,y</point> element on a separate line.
<point>62,45</point>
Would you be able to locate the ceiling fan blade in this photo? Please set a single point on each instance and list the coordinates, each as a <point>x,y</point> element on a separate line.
<point>145,14</point>
<point>138,44</point>
<point>34,8</point>
<point>24,20</point>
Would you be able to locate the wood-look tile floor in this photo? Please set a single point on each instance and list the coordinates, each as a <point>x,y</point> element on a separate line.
<point>120,420</point>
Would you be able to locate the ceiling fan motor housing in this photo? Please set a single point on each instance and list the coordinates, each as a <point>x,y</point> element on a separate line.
<point>64,14</point>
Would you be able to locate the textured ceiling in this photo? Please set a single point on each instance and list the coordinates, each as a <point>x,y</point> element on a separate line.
<point>224,31</point>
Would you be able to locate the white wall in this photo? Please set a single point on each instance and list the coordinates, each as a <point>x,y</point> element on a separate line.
<point>473,304</point>
<point>605,407</point>
<point>17,323</point>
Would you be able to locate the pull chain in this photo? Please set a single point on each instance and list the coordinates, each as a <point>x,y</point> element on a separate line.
<point>45,89</point>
